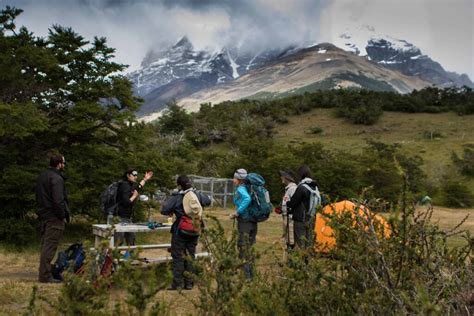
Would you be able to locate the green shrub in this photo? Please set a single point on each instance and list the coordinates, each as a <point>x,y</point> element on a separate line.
<point>366,114</point>
<point>412,272</point>
<point>456,193</point>
<point>315,130</point>
<point>465,164</point>
<point>17,232</point>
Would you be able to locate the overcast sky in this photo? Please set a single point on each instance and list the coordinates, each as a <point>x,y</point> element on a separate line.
<point>443,29</point>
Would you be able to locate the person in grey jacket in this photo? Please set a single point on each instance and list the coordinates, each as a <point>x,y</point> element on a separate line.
<point>182,243</point>
<point>51,198</point>
<point>298,206</point>
<point>288,179</point>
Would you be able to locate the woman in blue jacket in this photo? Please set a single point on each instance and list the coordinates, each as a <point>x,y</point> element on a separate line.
<point>246,227</point>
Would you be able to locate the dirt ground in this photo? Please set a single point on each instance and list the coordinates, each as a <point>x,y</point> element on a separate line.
<point>18,272</point>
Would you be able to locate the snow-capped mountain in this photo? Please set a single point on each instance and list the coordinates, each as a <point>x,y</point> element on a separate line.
<point>179,70</point>
<point>380,63</point>
<point>178,62</point>
<point>314,68</point>
<point>399,55</point>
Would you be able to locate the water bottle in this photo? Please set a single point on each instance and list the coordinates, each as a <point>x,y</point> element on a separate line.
<point>110,219</point>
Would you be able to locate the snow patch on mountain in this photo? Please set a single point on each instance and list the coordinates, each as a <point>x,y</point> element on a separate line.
<point>357,39</point>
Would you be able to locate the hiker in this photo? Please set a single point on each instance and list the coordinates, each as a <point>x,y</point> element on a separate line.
<point>288,179</point>
<point>247,228</point>
<point>182,204</point>
<point>127,194</point>
<point>299,206</point>
<point>51,198</point>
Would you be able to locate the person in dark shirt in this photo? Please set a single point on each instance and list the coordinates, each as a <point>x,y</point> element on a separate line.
<point>51,198</point>
<point>127,194</point>
<point>182,244</point>
<point>298,206</point>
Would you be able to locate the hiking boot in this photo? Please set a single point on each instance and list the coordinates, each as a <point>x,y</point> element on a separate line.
<point>188,287</point>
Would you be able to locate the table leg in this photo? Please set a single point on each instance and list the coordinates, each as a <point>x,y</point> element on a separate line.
<point>97,242</point>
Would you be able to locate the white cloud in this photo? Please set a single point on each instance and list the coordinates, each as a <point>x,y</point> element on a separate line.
<point>443,29</point>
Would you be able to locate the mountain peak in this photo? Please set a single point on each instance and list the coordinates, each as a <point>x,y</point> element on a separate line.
<point>183,43</point>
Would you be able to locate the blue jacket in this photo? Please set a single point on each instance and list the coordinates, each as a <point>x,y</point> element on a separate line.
<point>242,201</point>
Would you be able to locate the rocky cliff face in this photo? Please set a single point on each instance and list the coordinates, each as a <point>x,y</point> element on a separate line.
<point>400,55</point>
<point>180,70</point>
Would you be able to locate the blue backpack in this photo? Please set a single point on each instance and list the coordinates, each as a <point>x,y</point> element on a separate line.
<point>260,207</point>
<point>74,255</point>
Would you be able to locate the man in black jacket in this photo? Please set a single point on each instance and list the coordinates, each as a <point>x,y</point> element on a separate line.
<point>127,194</point>
<point>182,244</point>
<point>51,197</point>
<point>298,205</point>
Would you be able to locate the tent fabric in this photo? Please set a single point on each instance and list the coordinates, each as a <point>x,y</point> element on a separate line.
<point>324,238</point>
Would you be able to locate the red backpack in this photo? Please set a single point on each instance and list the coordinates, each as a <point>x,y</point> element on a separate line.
<point>191,223</point>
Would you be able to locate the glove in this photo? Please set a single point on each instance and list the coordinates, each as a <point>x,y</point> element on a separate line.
<point>233,215</point>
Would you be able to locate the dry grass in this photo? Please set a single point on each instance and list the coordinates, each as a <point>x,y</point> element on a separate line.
<point>19,272</point>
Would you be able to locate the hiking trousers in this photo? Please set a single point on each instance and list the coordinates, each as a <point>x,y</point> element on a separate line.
<point>303,232</point>
<point>247,238</point>
<point>128,237</point>
<point>51,231</point>
<point>183,252</point>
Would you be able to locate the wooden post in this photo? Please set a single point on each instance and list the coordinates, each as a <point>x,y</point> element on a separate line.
<point>225,194</point>
<point>212,191</point>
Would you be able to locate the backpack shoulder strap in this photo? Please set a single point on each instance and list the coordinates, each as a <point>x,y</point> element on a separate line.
<point>311,190</point>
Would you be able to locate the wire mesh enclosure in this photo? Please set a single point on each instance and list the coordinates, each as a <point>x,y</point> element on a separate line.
<point>219,189</point>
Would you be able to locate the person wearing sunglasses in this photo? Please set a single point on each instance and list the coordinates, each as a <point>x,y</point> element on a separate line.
<point>127,195</point>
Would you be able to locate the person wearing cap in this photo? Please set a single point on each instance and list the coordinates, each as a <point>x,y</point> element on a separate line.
<point>298,205</point>
<point>127,194</point>
<point>246,227</point>
<point>288,179</point>
<point>182,243</point>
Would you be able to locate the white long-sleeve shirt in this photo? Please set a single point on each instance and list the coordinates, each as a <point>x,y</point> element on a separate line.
<point>289,191</point>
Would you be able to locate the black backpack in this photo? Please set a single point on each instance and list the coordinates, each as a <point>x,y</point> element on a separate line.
<point>108,199</point>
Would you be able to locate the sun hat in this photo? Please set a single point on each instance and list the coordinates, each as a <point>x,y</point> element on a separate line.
<point>288,175</point>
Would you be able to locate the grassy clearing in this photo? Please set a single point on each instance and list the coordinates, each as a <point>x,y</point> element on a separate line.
<point>19,272</point>
<point>412,131</point>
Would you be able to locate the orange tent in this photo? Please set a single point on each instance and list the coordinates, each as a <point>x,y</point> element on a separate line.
<point>325,240</point>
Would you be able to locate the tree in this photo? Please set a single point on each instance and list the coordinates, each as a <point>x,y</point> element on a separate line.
<point>60,93</point>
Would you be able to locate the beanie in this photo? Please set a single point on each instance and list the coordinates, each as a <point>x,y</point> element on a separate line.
<point>240,174</point>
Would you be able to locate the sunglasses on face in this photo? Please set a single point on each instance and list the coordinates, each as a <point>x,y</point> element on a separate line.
<point>134,173</point>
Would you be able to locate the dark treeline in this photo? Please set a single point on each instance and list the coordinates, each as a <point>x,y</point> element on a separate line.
<point>62,93</point>
<point>363,106</point>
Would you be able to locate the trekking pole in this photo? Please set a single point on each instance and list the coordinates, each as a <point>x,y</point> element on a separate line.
<point>288,231</point>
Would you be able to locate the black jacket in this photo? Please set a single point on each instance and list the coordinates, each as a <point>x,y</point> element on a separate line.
<point>124,192</point>
<point>51,195</point>
<point>299,202</point>
<point>174,205</point>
